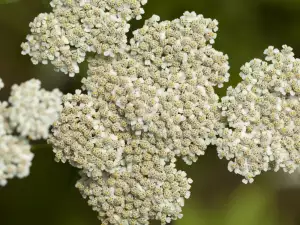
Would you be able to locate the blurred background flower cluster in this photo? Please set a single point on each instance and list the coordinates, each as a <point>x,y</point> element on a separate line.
<point>48,195</point>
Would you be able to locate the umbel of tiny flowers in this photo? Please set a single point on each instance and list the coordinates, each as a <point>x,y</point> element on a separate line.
<point>127,179</point>
<point>137,113</point>
<point>263,114</point>
<point>15,158</point>
<point>28,115</point>
<point>146,192</point>
<point>76,27</point>
<point>33,109</point>
<point>141,107</point>
<point>171,101</point>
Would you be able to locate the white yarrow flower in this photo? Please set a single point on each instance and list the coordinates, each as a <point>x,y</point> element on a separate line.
<point>75,28</point>
<point>31,112</point>
<point>15,158</point>
<point>263,113</point>
<point>139,111</point>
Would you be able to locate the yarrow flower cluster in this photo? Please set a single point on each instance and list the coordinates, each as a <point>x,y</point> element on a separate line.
<point>174,104</point>
<point>139,111</point>
<point>30,111</point>
<point>75,28</point>
<point>148,102</point>
<point>33,110</point>
<point>127,179</point>
<point>15,158</point>
<point>180,47</point>
<point>263,114</point>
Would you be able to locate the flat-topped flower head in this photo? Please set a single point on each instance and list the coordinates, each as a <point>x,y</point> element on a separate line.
<point>33,109</point>
<point>176,113</point>
<point>263,114</point>
<point>15,158</point>
<point>75,28</point>
<point>91,135</point>
<point>137,193</point>
<point>88,134</point>
<point>164,90</point>
<point>125,178</point>
<point>124,9</point>
<point>28,114</point>
<point>140,108</point>
<point>183,47</point>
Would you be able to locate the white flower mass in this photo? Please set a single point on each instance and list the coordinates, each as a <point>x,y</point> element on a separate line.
<point>15,158</point>
<point>263,114</point>
<point>150,101</point>
<point>29,114</point>
<point>33,110</point>
<point>137,113</point>
<point>121,171</point>
<point>75,28</point>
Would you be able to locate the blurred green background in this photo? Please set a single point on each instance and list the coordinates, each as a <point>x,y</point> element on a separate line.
<point>48,195</point>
